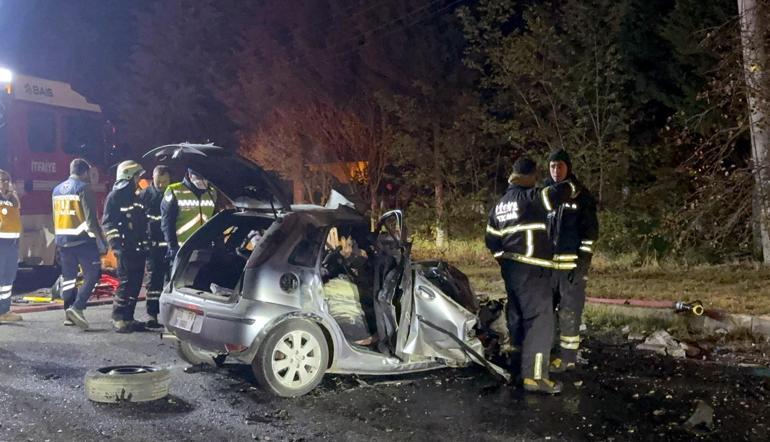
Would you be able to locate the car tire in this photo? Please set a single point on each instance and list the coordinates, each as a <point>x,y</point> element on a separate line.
<point>292,359</point>
<point>130,383</point>
<point>196,356</point>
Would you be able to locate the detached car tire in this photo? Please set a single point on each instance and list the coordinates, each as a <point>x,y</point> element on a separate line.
<point>131,383</point>
<point>196,356</point>
<point>292,359</point>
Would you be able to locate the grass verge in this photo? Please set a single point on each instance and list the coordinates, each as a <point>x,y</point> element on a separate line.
<point>736,287</point>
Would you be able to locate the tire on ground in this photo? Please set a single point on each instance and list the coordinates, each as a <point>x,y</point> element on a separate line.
<point>197,356</point>
<point>131,383</point>
<point>262,363</point>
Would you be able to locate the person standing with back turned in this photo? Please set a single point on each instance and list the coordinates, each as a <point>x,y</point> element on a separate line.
<point>80,241</point>
<point>518,238</point>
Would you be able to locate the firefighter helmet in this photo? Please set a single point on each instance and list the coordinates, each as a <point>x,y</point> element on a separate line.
<point>127,170</point>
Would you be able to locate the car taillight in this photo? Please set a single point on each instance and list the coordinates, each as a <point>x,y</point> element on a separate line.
<point>235,348</point>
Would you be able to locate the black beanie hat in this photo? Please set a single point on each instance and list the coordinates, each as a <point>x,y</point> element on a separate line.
<point>524,166</point>
<point>560,155</point>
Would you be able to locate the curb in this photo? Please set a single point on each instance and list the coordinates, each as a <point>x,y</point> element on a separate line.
<point>758,326</point>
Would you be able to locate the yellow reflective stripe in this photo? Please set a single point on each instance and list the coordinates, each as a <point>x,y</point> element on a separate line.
<point>10,235</point>
<point>565,257</point>
<point>74,231</point>
<point>525,259</point>
<point>197,219</point>
<point>570,346</point>
<point>570,338</point>
<point>546,200</point>
<point>522,228</point>
<point>530,243</point>
<point>586,242</point>
<point>493,231</point>
<point>586,249</point>
<point>538,366</point>
<point>67,197</point>
<point>564,265</point>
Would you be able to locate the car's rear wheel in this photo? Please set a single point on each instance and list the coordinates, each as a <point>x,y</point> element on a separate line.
<point>196,356</point>
<point>292,359</point>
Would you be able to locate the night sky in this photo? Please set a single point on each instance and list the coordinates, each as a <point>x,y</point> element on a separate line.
<point>83,42</point>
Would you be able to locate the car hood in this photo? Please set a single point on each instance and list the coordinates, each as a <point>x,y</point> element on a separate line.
<point>246,184</point>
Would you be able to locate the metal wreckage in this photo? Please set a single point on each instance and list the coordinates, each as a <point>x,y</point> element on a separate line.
<point>298,291</point>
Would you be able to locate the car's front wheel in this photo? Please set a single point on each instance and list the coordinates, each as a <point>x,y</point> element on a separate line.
<point>292,359</point>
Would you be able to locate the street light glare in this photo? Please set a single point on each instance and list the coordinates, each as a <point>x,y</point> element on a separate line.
<point>6,76</point>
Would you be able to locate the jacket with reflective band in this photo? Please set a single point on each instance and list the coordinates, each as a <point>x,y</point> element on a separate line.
<point>184,210</point>
<point>517,224</point>
<point>151,198</point>
<point>573,225</point>
<point>10,218</point>
<point>124,220</point>
<point>69,219</point>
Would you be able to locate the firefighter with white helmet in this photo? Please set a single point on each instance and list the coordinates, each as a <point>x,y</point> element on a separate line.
<point>125,225</point>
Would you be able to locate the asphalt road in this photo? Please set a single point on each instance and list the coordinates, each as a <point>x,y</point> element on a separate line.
<point>624,395</point>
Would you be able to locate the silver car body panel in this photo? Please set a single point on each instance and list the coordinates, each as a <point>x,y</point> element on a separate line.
<point>238,324</point>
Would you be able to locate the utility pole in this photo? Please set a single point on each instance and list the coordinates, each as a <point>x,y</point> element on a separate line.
<point>753,33</point>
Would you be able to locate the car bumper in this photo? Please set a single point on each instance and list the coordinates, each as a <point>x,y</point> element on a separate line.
<point>225,327</point>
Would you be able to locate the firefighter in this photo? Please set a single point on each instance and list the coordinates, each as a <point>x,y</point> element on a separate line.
<point>125,225</point>
<point>574,228</point>
<point>10,231</point>
<point>517,236</point>
<point>157,262</point>
<point>186,206</point>
<point>79,240</point>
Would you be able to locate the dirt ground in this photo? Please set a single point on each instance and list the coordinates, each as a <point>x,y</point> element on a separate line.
<point>619,393</point>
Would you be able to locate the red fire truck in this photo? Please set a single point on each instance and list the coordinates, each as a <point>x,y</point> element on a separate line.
<point>44,124</point>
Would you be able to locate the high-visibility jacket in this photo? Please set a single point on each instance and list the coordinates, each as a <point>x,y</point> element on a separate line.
<point>517,224</point>
<point>574,226</point>
<point>184,210</point>
<point>10,218</point>
<point>69,219</point>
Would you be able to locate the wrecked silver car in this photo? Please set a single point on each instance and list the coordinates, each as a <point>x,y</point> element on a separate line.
<point>298,291</point>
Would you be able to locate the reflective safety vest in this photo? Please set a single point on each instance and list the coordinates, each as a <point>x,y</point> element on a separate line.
<point>193,211</point>
<point>10,219</point>
<point>69,220</point>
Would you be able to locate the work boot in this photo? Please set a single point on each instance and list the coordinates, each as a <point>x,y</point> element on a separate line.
<point>153,322</point>
<point>546,386</point>
<point>137,326</point>
<point>77,317</point>
<point>120,326</point>
<point>10,317</point>
<point>558,365</point>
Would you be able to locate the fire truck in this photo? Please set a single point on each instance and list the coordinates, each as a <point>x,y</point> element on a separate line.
<point>45,124</point>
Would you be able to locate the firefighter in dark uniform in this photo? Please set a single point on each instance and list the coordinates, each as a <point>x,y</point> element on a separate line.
<point>125,226</point>
<point>157,261</point>
<point>186,206</point>
<point>517,236</point>
<point>79,240</point>
<point>574,228</point>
